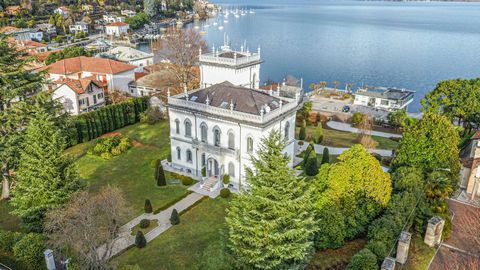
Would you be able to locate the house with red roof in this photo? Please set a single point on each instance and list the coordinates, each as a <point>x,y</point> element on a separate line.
<point>63,10</point>
<point>117,29</point>
<point>114,74</point>
<point>12,10</point>
<point>79,96</point>
<point>31,47</point>
<point>470,172</point>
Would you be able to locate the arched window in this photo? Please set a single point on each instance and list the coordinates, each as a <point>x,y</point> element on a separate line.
<point>203,132</point>
<point>216,136</point>
<point>231,140</point>
<point>204,161</point>
<point>287,130</point>
<point>249,144</point>
<point>177,126</point>
<point>231,169</point>
<point>179,153</point>
<point>189,156</point>
<point>188,128</point>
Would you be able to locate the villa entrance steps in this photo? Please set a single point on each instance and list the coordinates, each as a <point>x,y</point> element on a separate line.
<point>209,184</point>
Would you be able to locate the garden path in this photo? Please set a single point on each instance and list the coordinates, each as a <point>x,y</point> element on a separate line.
<point>339,150</point>
<point>346,127</point>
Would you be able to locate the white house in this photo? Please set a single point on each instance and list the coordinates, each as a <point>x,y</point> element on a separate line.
<point>47,28</point>
<point>131,56</point>
<point>116,75</point>
<point>238,67</point>
<point>22,33</point>
<point>63,10</point>
<point>128,13</point>
<point>117,29</point>
<point>78,27</point>
<point>384,98</point>
<point>78,96</point>
<point>113,18</point>
<point>218,127</point>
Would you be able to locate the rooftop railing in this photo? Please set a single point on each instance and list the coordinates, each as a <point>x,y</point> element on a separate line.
<point>215,58</point>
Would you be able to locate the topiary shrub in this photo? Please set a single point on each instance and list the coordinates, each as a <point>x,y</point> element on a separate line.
<point>160,174</point>
<point>174,217</point>
<point>303,131</point>
<point>148,206</point>
<point>144,223</point>
<point>325,156</point>
<point>357,118</point>
<point>225,193</point>
<point>226,179</point>
<point>318,135</point>
<point>140,240</point>
<point>363,260</point>
<point>204,171</point>
<point>187,181</point>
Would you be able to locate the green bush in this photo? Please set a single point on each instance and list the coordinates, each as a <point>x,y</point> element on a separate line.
<point>303,132</point>
<point>318,135</point>
<point>204,171</point>
<point>8,240</point>
<point>175,217</point>
<point>144,223</point>
<point>29,250</point>
<point>109,147</point>
<point>225,193</point>
<point>325,156</point>
<point>160,173</point>
<point>106,156</point>
<point>186,180</point>
<point>363,260</point>
<point>311,163</point>
<point>226,179</point>
<point>300,142</point>
<point>140,240</point>
<point>148,206</point>
<point>357,118</point>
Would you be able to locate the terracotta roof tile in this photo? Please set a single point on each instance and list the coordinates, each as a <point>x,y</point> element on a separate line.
<point>90,64</point>
<point>118,24</point>
<point>80,85</point>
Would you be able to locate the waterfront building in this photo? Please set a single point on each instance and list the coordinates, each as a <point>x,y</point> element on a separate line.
<point>114,74</point>
<point>389,99</point>
<point>219,126</point>
<point>240,68</point>
<point>117,29</point>
<point>79,96</point>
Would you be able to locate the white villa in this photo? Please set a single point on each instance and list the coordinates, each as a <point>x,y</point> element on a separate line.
<point>384,98</point>
<point>117,29</point>
<point>238,67</point>
<point>220,126</point>
<point>78,96</point>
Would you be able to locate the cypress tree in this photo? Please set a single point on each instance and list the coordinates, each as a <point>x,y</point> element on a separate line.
<point>148,206</point>
<point>45,178</point>
<point>272,226</point>
<point>325,156</point>
<point>161,181</point>
<point>175,218</point>
<point>311,164</point>
<point>309,149</point>
<point>302,134</point>
<point>140,240</point>
<point>318,135</point>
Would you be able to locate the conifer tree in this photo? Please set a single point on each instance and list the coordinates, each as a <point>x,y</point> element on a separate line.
<point>325,156</point>
<point>271,226</point>
<point>302,134</point>
<point>161,180</point>
<point>148,206</point>
<point>45,178</point>
<point>318,135</point>
<point>309,149</point>
<point>140,240</point>
<point>174,217</point>
<point>311,163</point>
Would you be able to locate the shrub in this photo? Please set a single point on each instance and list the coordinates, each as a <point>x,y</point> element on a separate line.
<point>106,156</point>
<point>311,166</point>
<point>225,192</point>
<point>152,116</point>
<point>303,133</point>
<point>357,119</point>
<point>363,260</point>
<point>8,240</point>
<point>144,223</point>
<point>29,250</point>
<point>154,164</point>
<point>300,142</point>
<point>204,171</point>
<point>325,156</point>
<point>148,206</point>
<point>187,181</point>
<point>108,147</point>
<point>318,136</point>
<point>226,179</point>
<point>175,218</point>
<point>140,240</point>
<point>161,180</point>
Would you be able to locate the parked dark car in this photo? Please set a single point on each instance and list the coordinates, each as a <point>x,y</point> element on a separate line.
<point>346,109</point>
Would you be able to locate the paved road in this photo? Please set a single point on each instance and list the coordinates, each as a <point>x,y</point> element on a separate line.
<point>347,127</point>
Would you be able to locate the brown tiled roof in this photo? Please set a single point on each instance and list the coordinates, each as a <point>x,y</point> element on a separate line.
<point>90,64</point>
<point>273,86</point>
<point>30,44</point>
<point>80,85</point>
<point>118,24</point>
<point>43,55</point>
<point>244,99</point>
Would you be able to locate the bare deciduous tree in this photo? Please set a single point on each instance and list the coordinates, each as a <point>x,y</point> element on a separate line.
<point>365,135</point>
<point>181,49</point>
<point>87,222</point>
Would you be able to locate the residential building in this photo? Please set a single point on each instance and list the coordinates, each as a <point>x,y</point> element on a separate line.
<point>220,126</point>
<point>128,13</point>
<point>78,27</point>
<point>47,28</point>
<point>130,56</point>
<point>116,75</point>
<point>31,47</point>
<point>12,10</point>
<point>224,64</point>
<point>113,18</point>
<point>62,10</point>
<point>389,99</point>
<point>78,96</point>
<point>156,83</point>
<point>22,33</point>
<point>470,171</point>
<point>117,29</point>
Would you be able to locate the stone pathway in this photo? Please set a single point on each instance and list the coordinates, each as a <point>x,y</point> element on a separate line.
<point>125,239</point>
<point>347,127</point>
<point>335,150</point>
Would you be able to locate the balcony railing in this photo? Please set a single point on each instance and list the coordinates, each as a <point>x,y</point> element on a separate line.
<point>219,150</point>
<point>214,58</point>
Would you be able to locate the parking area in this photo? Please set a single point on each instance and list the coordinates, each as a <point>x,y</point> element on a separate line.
<point>335,106</point>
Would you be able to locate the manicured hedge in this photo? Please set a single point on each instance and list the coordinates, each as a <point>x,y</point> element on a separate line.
<point>88,126</point>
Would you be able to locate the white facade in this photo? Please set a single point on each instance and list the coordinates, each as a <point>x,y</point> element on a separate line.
<point>241,68</point>
<point>75,103</point>
<point>384,98</point>
<point>128,13</point>
<point>112,18</point>
<point>221,139</point>
<point>117,29</point>
<point>78,27</point>
<point>132,56</point>
<point>64,11</point>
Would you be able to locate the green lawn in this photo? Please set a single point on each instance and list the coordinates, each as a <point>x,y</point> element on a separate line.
<point>333,158</point>
<point>132,171</point>
<point>419,255</point>
<point>336,138</point>
<point>198,242</point>
<point>335,258</point>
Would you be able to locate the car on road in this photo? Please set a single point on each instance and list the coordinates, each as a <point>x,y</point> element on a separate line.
<point>346,109</point>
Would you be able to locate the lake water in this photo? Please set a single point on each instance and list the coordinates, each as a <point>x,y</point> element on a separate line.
<point>399,44</point>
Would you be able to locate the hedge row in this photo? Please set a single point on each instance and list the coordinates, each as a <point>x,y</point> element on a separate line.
<point>91,125</point>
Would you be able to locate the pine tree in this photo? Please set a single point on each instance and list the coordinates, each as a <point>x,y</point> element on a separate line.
<point>140,240</point>
<point>45,178</point>
<point>325,156</point>
<point>311,163</point>
<point>271,226</point>
<point>148,206</point>
<point>174,217</point>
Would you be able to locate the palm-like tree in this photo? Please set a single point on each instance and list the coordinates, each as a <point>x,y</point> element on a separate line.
<point>322,85</point>
<point>335,83</point>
